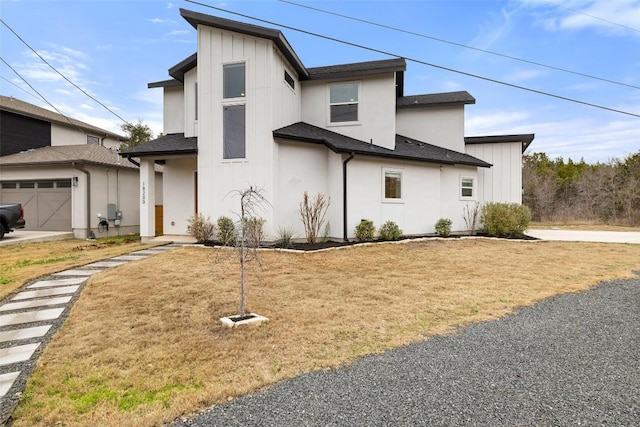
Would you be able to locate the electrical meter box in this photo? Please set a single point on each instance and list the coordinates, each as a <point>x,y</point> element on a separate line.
<point>111,211</point>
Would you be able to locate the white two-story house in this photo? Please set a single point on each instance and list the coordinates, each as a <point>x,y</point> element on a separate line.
<point>244,111</point>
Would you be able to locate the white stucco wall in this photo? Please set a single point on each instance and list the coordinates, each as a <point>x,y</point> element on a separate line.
<point>451,203</point>
<point>179,194</point>
<point>173,110</point>
<point>503,181</point>
<point>376,109</point>
<point>441,126</point>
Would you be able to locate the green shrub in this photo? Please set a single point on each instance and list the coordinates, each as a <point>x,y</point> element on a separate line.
<point>226,231</point>
<point>390,231</point>
<point>200,228</point>
<point>285,239</point>
<point>254,231</point>
<point>505,219</point>
<point>443,227</point>
<point>365,231</point>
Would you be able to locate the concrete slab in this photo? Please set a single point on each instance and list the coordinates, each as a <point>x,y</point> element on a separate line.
<point>147,252</point>
<point>6,381</point>
<point>30,316</point>
<point>129,257</point>
<point>630,237</point>
<point>34,303</point>
<point>77,272</point>
<point>106,264</point>
<point>16,354</point>
<point>24,334</point>
<point>28,236</point>
<point>56,282</point>
<point>41,293</point>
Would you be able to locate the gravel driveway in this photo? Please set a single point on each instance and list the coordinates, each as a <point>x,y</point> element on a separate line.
<point>568,360</point>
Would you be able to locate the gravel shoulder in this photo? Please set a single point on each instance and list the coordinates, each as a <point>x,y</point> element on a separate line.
<point>569,360</point>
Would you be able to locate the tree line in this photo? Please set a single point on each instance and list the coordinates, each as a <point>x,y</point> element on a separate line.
<point>567,191</point>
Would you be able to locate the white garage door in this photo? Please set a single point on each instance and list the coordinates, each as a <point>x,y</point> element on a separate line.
<point>47,204</point>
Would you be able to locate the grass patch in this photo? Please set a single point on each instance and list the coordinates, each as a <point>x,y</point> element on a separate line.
<point>143,344</point>
<point>20,263</point>
<point>585,226</point>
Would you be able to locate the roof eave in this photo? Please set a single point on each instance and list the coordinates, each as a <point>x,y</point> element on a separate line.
<point>196,18</point>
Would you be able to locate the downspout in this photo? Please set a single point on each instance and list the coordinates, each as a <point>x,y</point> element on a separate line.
<point>344,196</point>
<point>133,161</point>
<point>88,201</point>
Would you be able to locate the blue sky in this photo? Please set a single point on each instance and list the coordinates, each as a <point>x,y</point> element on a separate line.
<point>113,48</point>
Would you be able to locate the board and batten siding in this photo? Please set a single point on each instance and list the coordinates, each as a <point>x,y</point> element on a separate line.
<point>503,181</point>
<point>173,111</point>
<point>218,178</point>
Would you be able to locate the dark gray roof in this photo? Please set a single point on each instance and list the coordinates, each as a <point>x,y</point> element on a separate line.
<point>357,69</point>
<point>165,83</point>
<point>435,99</point>
<point>405,148</point>
<point>23,108</point>
<point>178,70</point>
<point>525,139</point>
<point>195,18</point>
<point>172,144</point>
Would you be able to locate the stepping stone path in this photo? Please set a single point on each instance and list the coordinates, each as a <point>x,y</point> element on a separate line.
<point>30,318</point>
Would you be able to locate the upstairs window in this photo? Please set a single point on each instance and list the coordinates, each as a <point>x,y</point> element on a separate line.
<point>234,80</point>
<point>392,185</point>
<point>93,140</point>
<point>466,187</point>
<point>343,102</point>
<point>234,146</point>
<point>289,80</point>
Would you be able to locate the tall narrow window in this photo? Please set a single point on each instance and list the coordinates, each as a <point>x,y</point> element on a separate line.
<point>195,97</point>
<point>466,187</point>
<point>392,185</point>
<point>234,80</point>
<point>343,102</point>
<point>234,132</point>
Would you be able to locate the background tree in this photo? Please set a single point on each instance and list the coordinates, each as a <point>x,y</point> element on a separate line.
<point>137,134</point>
<point>559,190</point>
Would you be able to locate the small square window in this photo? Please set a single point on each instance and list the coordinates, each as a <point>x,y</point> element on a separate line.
<point>393,185</point>
<point>466,187</point>
<point>234,80</point>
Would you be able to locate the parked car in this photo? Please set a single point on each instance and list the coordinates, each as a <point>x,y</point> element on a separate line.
<point>11,217</point>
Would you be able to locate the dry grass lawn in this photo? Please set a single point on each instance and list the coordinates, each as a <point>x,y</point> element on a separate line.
<point>20,263</point>
<point>143,344</point>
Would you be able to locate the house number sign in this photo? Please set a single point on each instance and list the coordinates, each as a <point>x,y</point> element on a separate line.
<point>144,193</point>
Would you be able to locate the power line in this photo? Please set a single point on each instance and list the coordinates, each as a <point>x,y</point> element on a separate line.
<point>42,96</point>
<point>594,17</point>
<point>59,73</point>
<point>502,55</point>
<point>464,73</point>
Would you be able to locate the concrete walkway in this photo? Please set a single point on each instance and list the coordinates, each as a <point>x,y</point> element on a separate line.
<point>30,318</point>
<point>586,236</point>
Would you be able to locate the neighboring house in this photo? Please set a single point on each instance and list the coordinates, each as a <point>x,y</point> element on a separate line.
<point>244,111</point>
<point>24,126</point>
<point>65,173</point>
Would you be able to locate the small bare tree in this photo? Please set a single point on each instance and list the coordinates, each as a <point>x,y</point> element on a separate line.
<point>250,233</point>
<point>471,215</point>
<point>312,213</point>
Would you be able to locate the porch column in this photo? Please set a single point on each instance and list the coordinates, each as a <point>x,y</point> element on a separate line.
<point>147,200</point>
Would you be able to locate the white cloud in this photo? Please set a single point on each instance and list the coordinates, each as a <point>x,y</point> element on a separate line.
<point>156,20</point>
<point>523,75</point>
<point>496,122</point>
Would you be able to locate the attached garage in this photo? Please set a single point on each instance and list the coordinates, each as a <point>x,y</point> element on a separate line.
<point>47,204</point>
